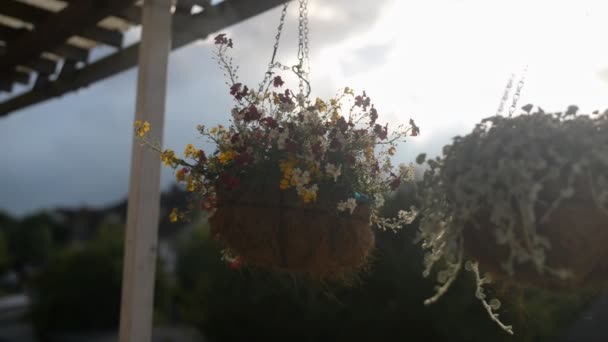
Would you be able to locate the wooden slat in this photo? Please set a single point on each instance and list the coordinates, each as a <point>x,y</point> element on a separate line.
<point>21,77</point>
<point>186,29</point>
<point>25,12</point>
<point>57,29</point>
<point>7,33</point>
<point>96,33</point>
<point>6,86</point>
<point>101,35</point>
<point>131,14</point>
<point>70,51</point>
<point>43,66</point>
<point>18,76</point>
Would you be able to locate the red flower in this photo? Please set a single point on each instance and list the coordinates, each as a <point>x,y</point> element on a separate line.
<point>415,129</point>
<point>376,168</point>
<point>235,138</point>
<point>221,39</point>
<point>208,203</point>
<point>236,263</point>
<point>277,81</point>
<point>317,151</point>
<point>230,182</point>
<point>342,124</point>
<point>373,116</point>
<point>381,132</point>
<point>395,183</point>
<point>235,88</point>
<point>251,114</point>
<point>269,122</point>
<point>243,159</point>
<point>362,101</point>
<point>285,98</point>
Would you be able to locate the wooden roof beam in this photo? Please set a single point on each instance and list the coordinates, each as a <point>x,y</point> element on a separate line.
<point>43,66</point>
<point>131,14</point>
<point>69,51</point>
<point>103,36</point>
<point>60,26</point>
<point>186,29</point>
<point>23,11</point>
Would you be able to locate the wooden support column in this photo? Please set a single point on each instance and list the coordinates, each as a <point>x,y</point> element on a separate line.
<point>144,190</point>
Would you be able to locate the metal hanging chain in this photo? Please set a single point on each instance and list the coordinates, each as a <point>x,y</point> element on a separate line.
<point>271,65</point>
<point>505,96</point>
<point>517,93</point>
<point>303,67</point>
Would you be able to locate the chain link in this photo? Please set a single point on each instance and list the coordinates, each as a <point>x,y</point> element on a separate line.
<point>277,39</point>
<point>303,67</point>
<point>517,93</point>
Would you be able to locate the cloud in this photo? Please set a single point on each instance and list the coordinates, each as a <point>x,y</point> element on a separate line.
<point>604,75</point>
<point>76,150</point>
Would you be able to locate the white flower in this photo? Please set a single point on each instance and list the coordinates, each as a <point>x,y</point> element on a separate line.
<point>379,201</point>
<point>407,172</point>
<point>281,138</point>
<point>300,178</point>
<point>333,171</point>
<point>407,217</point>
<point>237,115</point>
<point>286,107</point>
<point>313,190</point>
<point>349,204</point>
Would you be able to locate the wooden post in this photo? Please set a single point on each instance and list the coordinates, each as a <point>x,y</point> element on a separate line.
<point>144,189</point>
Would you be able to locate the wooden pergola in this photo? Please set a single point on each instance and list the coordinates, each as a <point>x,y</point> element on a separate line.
<point>45,49</point>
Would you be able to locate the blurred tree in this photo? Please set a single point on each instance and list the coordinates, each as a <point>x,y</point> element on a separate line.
<point>81,287</point>
<point>30,243</point>
<point>386,304</point>
<point>4,254</point>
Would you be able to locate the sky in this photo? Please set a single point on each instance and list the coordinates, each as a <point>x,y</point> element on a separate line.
<point>444,63</point>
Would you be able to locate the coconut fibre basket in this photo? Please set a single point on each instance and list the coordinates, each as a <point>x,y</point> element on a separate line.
<point>272,229</point>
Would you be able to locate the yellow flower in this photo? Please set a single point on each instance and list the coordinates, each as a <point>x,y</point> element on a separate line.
<point>190,183</point>
<point>180,175</point>
<point>226,156</point>
<point>190,151</point>
<point>141,128</point>
<point>369,153</point>
<point>213,131</point>
<point>309,197</point>
<point>392,150</point>
<point>284,184</point>
<point>173,215</point>
<point>168,157</point>
<point>348,90</point>
<point>321,105</point>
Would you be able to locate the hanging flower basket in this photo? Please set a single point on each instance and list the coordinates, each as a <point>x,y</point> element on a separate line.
<point>273,229</point>
<point>294,184</point>
<point>524,198</point>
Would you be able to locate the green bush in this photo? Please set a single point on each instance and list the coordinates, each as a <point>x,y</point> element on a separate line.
<point>80,289</point>
<point>386,304</point>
